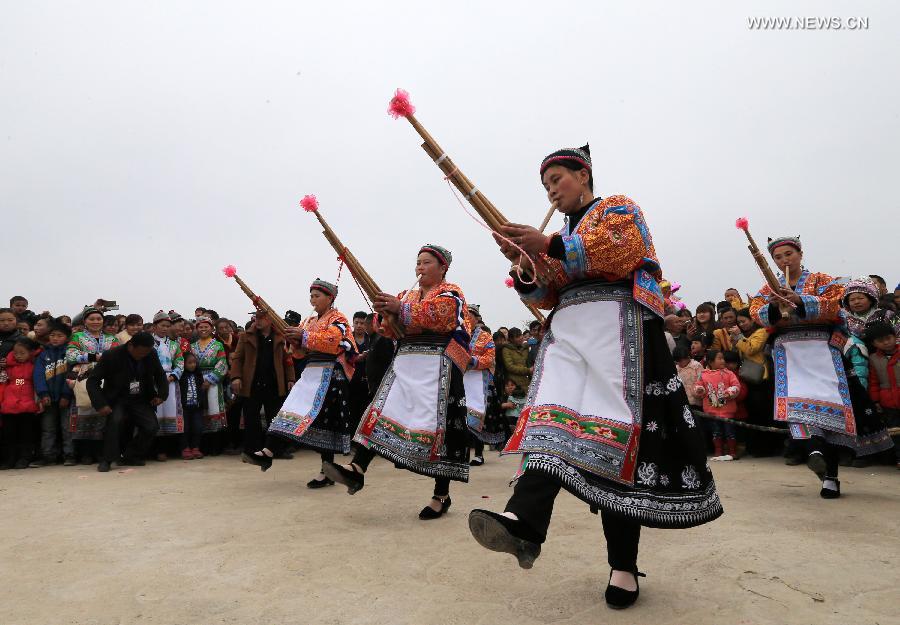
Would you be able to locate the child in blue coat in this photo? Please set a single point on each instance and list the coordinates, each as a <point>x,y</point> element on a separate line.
<point>55,395</point>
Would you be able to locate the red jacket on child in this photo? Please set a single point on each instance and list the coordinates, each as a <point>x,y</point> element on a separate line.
<point>884,379</point>
<point>18,396</point>
<point>719,388</point>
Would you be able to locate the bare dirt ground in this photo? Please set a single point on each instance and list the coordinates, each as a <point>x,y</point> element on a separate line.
<point>214,541</point>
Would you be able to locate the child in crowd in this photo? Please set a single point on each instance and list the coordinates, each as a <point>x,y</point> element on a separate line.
<point>18,407</point>
<point>733,364</point>
<point>884,377</point>
<point>861,307</point>
<point>515,401</point>
<point>689,371</point>
<point>719,388</point>
<point>193,401</point>
<point>698,351</point>
<point>55,396</point>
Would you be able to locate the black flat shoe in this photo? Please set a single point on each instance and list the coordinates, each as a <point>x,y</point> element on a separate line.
<point>816,463</point>
<point>477,461</point>
<point>828,493</point>
<point>619,598</point>
<point>429,513</point>
<point>499,533</point>
<point>264,462</point>
<point>351,478</point>
<point>314,483</point>
<point>103,466</point>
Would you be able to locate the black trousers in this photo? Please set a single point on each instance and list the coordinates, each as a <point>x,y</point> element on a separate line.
<point>193,427</point>
<point>532,503</point>
<point>829,452</point>
<point>364,456</point>
<point>233,419</point>
<point>476,445</point>
<point>267,400</point>
<point>140,415</point>
<point>17,435</point>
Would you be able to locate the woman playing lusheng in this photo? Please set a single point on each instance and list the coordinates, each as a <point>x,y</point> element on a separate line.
<point>417,419</point>
<point>812,393</point>
<point>606,416</point>
<point>316,413</point>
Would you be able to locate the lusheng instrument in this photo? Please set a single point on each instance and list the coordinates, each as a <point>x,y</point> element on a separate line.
<point>278,324</point>
<point>400,106</point>
<point>362,277</point>
<point>784,305</point>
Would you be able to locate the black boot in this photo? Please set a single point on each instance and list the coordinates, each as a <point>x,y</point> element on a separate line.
<point>499,533</point>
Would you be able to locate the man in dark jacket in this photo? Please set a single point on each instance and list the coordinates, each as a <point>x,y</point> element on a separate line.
<point>133,385</point>
<point>263,374</point>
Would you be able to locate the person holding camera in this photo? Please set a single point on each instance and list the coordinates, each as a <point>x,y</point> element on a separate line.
<point>128,383</point>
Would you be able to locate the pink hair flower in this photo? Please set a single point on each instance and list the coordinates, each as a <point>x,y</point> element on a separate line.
<point>509,283</point>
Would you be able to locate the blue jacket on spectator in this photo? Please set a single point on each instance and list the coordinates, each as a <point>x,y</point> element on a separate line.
<point>50,373</point>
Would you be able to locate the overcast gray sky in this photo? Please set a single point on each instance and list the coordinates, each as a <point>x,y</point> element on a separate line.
<point>143,146</point>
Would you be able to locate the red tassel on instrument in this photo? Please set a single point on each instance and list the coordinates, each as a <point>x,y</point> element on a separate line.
<point>742,224</point>
<point>230,271</point>
<point>309,203</point>
<point>400,105</point>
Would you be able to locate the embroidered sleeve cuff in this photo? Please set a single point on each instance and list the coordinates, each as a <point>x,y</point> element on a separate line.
<point>768,313</point>
<point>211,378</point>
<point>574,261</point>
<point>808,308</point>
<point>305,338</point>
<point>406,313</point>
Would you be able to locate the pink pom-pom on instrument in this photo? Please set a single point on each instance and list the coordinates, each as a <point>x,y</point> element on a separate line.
<point>400,106</point>
<point>742,223</point>
<point>309,203</point>
<point>230,271</point>
<point>509,282</point>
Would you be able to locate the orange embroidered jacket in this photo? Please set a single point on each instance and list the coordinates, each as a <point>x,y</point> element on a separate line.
<point>482,349</point>
<point>331,334</point>
<point>611,242</point>
<point>820,302</point>
<point>442,311</point>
